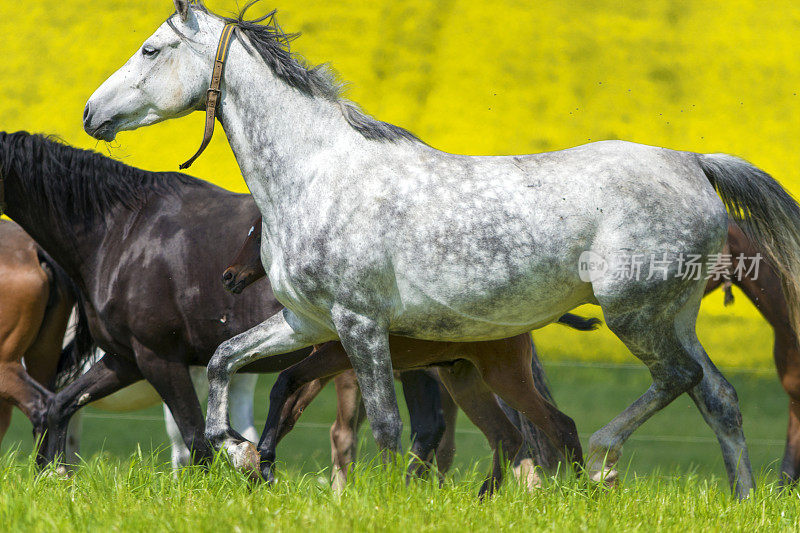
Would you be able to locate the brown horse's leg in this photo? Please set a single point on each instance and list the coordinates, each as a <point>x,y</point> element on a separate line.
<point>326,360</point>
<point>19,388</point>
<point>787,359</point>
<point>344,431</point>
<point>297,403</point>
<point>24,290</point>
<point>41,358</point>
<point>447,445</point>
<point>5,417</point>
<point>505,366</point>
<point>480,405</point>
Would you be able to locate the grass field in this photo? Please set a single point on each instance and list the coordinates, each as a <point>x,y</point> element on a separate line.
<point>674,478</point>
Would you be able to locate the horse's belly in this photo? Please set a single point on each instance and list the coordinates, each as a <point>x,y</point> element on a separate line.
<point>140,395</point>
<point>463,312</point>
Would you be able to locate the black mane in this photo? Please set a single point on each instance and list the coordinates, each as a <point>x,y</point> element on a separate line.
<point>71,184</point>
<point>272,45</point>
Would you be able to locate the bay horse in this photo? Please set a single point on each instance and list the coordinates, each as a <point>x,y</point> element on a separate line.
<point>368,232</point>
<point>144,251</point>
<point>432,418</point>
<point>35,304</point>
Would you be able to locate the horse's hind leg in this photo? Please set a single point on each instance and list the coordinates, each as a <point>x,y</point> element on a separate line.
<point>446,450</point>
<point>790,379</point>
<point>506,368</point>
<point>717,401</point>
<point>18,387</point>
<point>651,333</point>
<point>344,431</point>
<point>479,404</point>
<point>5,417</point>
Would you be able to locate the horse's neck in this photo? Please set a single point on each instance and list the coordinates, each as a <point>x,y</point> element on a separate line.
<point>281,137</point>
<point>74,252</point>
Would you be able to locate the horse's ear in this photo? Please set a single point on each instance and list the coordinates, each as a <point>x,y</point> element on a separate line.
<point>182,7</point>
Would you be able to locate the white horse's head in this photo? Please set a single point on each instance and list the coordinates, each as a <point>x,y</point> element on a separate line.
<point>166,78</point>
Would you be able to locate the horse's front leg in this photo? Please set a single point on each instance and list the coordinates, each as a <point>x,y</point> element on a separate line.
<point>366,342</point>
<point>107,376</point>
<point>171,379</point>
<point>281,333</point>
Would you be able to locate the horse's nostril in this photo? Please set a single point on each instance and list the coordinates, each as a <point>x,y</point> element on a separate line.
<point>86,113</point>
<point>226,276</point>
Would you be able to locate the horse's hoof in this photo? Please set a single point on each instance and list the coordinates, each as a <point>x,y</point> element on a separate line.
<point>487,488</point>
<point>244,457</point>
<point>338,481</point>
<point>268,473</point>
<point>606,475</point>
<point>58,472</point>
<point>526,473</point>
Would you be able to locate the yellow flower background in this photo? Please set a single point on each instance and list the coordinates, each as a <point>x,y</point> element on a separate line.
<point>470,77</point>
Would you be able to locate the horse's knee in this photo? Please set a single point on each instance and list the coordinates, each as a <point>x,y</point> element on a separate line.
<point>790,381</point>
<point>59,409</point>
<point>387,430</point>
<point>343,440</point>
<point>217,369</point>
<point>721,404</point>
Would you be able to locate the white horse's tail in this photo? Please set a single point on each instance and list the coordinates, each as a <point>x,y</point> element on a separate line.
<point>768,215</point>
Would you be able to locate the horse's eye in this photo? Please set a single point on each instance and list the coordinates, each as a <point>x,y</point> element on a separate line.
<point>149,51</point>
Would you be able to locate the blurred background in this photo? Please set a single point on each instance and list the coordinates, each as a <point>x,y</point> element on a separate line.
<point>502,77</point>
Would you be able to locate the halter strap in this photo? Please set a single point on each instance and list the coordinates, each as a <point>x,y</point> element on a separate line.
<point>2,195</point>
<point>212,97</point>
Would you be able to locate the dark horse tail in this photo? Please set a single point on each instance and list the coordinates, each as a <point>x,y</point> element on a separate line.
<point>75,354</point>
<point>578,322</point>
<point>81,347</point>
<point>767,214</point>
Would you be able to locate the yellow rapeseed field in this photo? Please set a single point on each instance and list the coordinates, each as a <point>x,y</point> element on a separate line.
<point>471,77</point>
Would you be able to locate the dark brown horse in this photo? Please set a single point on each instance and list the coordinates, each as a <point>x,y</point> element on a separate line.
<point>35,303</point>
<point>144,251</point>
<point>432,418</point>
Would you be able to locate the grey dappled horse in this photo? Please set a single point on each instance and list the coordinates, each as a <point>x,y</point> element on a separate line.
<point>369,231</point>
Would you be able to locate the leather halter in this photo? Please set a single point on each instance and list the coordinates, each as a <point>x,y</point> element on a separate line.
<point>2,195</point>
<point>212,97</point>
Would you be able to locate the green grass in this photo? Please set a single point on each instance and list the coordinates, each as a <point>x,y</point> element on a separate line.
<point>674,478</point>
<point>676,439</point>
<point>140,494</point>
